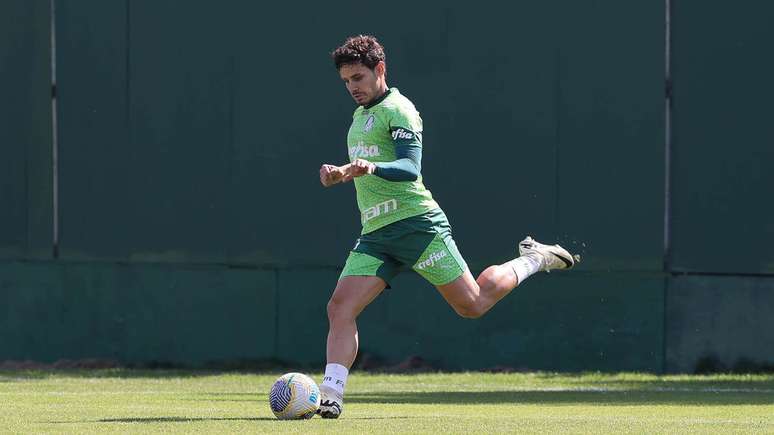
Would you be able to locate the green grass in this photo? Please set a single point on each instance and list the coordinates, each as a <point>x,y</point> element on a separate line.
<point>176,401</point>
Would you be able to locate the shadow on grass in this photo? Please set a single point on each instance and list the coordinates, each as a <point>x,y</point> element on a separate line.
<point>11,370</point>
<point>602,398</point>
<point>628,393</point>
<point>178,419</point>
<point>122,373</point>
<point>150,420</point>
<point>582,378</point>
<point>640,380</point>
<point>190,419</point>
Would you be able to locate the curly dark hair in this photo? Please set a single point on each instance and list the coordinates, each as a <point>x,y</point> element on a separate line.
<point>363,49</point>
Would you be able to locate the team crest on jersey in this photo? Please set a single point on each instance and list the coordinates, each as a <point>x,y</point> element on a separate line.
<point>369,124</point>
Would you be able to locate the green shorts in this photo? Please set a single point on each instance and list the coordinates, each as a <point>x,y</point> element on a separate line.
<point>423,243</point>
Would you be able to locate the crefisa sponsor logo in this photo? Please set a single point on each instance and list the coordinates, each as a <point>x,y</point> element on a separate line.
<point>430,262</point>
<point>402,134</point>
<point>361,150</point>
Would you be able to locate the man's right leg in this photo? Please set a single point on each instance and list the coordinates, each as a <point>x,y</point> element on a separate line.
<point>351,296</point>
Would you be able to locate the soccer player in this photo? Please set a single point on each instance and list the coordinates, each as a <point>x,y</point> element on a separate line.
<point>403,226</point>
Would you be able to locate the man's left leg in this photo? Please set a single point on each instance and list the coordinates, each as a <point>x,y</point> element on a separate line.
<point>472,298</point>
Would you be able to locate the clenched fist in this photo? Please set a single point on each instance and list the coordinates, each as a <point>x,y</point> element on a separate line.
<point>330,175</point>
<point>361,167</point>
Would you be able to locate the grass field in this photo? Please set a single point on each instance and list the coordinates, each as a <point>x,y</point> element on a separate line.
<point>173,401</point>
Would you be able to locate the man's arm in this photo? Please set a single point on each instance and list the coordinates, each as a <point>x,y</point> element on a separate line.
<point>406,166</point>
<point>407,137</point>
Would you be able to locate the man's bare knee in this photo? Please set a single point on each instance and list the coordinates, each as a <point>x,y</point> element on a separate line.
<point>338,311</point>
<point>470,309</point>
<point>334,310</point>
<point>490,277</point>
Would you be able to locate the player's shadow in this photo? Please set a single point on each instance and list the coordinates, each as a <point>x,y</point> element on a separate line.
<point>179,419</point>
<point>629,397</point>
<point>151,420</point>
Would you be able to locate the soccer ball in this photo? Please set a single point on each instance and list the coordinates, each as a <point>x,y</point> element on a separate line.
<point>294,396</point>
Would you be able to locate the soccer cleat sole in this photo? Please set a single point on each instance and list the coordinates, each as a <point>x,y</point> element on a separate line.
<point>328,414</point>
<point>555,251</point>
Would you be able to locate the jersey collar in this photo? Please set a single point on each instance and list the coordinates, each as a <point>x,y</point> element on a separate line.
<point>378,100</point>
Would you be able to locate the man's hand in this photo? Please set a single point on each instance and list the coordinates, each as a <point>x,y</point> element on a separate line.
<point>361,167</point>
<point>330,174</point>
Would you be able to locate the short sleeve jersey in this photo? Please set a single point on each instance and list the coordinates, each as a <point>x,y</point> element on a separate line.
<point>374,133</point>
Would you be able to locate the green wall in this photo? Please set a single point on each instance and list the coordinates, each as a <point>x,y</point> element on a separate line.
<point>193,227</point>
<point>719,314</point>
<point>571,322</point>
<point>129,313</point>
<point>190,132</point>
<point>26,221</point>
<point>610,124</point>
<point>200,315</point>
<point>723,138</point>
<point>725,321</point>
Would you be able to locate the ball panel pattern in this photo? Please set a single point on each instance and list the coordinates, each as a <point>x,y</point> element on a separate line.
<point>294,396</point>
<point>280,395</point>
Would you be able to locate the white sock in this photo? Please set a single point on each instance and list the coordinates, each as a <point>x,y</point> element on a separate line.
<point>525,266</point>
<point>335,377</point>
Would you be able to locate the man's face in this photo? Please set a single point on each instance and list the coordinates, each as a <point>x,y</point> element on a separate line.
<point>363,83</point>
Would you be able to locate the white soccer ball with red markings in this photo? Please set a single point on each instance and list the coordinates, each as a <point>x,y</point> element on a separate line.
<point>294,396</point>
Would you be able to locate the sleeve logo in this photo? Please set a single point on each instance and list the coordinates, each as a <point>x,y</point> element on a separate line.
<point>402,134</point>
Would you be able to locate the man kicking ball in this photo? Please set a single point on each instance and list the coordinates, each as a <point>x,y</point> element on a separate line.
<point>403,226</point>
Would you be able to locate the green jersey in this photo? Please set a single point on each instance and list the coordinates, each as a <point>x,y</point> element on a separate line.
<point>375,131</point>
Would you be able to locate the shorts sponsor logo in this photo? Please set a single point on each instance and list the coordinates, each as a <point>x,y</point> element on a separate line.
<point>430,262</point>
<point>402,134</point>
<point>380,209</point>
<point>361,150</point>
